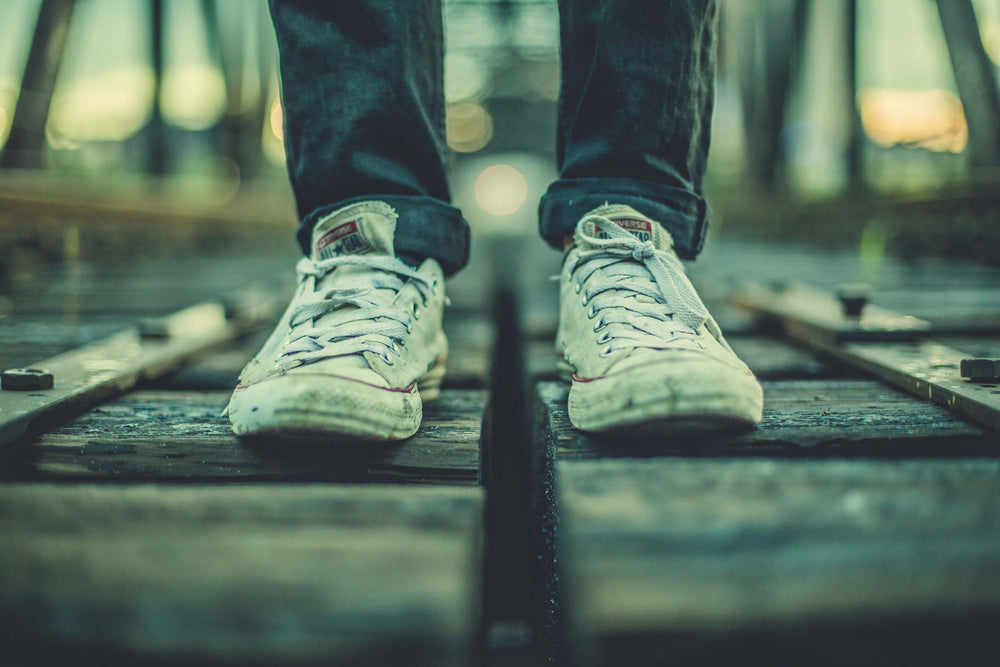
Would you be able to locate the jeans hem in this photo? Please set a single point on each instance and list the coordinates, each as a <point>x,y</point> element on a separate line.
<point>682,213</point>
<point>426,227</point>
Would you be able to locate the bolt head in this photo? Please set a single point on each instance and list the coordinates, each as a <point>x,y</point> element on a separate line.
<point>27,379</point>
<point>154,328</point>
<point>981,370</point>
<point>853,297</point>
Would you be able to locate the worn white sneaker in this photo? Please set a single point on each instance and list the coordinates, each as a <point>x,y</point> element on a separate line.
<point>359,346</point>
<point>644,354</point>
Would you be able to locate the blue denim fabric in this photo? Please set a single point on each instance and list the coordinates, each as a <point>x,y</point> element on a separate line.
<point>362,88</point>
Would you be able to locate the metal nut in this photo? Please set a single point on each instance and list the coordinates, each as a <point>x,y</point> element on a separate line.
<point>981,370</point>
<point>154,328</point>
<point>854,297</point>
<point>27,379</point>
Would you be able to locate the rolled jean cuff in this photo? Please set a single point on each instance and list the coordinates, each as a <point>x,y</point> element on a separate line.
<point>684,214</point>
<point>426,227</point>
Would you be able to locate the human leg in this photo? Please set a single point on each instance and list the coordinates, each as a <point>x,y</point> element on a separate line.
<point>635,110</point>
<point>634,122</point>
<point>363,95</point>
<point>361,343</point>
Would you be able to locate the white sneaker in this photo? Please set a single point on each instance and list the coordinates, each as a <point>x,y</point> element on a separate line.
<point>644,353</point>
<point>359,346</point>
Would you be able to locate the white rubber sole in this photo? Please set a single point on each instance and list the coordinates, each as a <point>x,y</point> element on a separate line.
<point>328,409</point>
<point>667,399</point>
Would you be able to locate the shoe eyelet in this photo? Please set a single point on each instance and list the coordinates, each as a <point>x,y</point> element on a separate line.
<point>415,310</point>
<point>598,325</point>
<point>434,287</point>
<point>583,301</point>
<point>605,352</point>
<point>386,358</point>
<point>576,287</point>
<point>591,313</point>
<point>604,338</point>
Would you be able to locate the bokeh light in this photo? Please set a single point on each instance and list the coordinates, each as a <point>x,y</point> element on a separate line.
<point>501,189</point>
<point>932,119</point>
<point>194,96</point>
<point>469,127</point>
<point>108,105</point>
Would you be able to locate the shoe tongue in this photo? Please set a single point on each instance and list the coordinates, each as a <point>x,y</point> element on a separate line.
<point>631,221</point>
<point>358,229</point>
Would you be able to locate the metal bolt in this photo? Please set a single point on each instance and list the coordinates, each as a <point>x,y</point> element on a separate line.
<point>853,297</point>
<point>778,285</point>
<point>154,328</point>
<point>981,370</point>
<point>27,379</point>
<point>232,308</point>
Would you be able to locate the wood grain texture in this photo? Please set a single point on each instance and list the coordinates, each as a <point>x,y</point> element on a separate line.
<point>180,436</point>
<point>801,418</point>
<point>248,574</point>
<point>703,560</point>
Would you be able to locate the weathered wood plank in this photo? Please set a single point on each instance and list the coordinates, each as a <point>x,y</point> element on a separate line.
<point>774,359</point>
<point>801,418</point>
<point>297,574</point>
<point>700,561</point>
<point>170,435</point>
<point>87,375</point>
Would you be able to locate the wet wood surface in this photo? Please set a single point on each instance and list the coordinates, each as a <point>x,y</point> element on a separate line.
<point>144,531</point>
<point>801,418</point>
<point>239,574</point>
<point>821,562</point>
<point>855,523</point>
<point>181,436</point>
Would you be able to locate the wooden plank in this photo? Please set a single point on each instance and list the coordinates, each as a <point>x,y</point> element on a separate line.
<point>774,359</point>
<point>801,418</point>
<point>674,561</point>
<point>87,292</point>
<point>240,574</point>
<point>928,370</point>
<point>90,374</point>
<point>180,436</point>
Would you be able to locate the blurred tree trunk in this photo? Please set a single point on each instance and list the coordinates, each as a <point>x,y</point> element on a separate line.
<point>26,142</point>
<point>239,131</point>
<point>975,80</point>
<point>773,43</point>
<point>157,157</point>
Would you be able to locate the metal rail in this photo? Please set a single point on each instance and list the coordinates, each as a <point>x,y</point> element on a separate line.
<point>38,399</point>
<point>886,344</point>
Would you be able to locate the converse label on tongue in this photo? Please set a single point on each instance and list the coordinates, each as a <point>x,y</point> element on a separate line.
<point>344,239</point>
<point>641,229</point>
<point>629,219</point>
<point>365,227</point>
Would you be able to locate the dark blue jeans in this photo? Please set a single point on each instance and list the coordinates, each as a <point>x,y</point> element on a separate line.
<point>363,93</point>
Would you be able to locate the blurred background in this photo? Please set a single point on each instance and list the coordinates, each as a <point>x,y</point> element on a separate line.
<point>837,121</point>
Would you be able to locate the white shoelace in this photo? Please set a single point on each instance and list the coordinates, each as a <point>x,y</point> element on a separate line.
<point>648,301</point>
<point>368,323</point>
